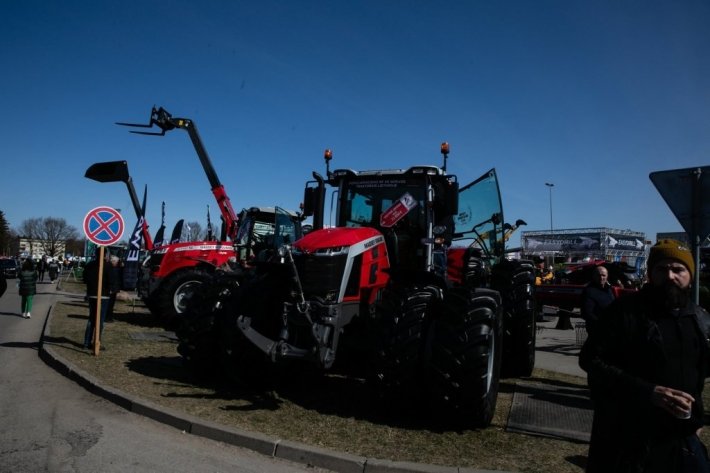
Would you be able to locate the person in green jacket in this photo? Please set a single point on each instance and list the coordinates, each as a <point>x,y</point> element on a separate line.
<point>28,286</point>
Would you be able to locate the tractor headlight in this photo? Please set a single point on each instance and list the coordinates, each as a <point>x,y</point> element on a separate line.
<point>332,251</point>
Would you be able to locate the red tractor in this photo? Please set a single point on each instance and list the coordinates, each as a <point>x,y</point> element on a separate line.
<point>386,290</point>
<point>172,271</point>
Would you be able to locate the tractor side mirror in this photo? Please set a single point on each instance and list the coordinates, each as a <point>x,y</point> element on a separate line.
<point>451,198</point>
<point>314,200</point>
<point>310,201</point>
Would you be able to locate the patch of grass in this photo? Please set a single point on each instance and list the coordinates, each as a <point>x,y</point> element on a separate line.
<point>330,411</point>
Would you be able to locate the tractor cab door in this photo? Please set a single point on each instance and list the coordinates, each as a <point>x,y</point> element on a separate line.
<point>479,222</point>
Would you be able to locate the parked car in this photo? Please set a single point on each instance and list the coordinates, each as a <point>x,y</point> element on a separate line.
<point>9,267</point>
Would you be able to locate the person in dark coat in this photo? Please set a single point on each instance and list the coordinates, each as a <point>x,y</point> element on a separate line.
<point>3,283</point>
<point>596,296</point>
<point>91,278</point>
<point>646,362</point>
<point>27,283</point>
<point>53,269</point>
<point>41,268</point>
<point>116,270</point>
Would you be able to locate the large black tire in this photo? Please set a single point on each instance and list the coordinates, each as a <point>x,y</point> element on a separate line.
<point>173,295</point>
<point>515,280</point>
<point>400,316</point>
<point>198,331</point>
<point>153,306</point>
<point>463,356</point>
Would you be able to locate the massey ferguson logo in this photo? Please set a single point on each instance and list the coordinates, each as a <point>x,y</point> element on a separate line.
<point>373,242</point>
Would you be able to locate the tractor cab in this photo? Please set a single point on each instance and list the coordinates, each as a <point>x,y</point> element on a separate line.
<point>263,230</point>
<point>428,222</point>
<point>403,205</point>
<point>413,209</point>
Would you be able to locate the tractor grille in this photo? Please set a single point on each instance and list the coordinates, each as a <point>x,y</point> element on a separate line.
<point>321,275</point>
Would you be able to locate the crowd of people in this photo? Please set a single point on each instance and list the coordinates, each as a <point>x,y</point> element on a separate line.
<point>34,271</point>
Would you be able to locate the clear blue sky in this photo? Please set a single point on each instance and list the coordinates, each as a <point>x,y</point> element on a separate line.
<point>591,96</point>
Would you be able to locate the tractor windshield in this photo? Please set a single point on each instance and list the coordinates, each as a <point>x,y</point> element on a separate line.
<point>396,206</point>
<point>384,202</point>
<point>479,222</point>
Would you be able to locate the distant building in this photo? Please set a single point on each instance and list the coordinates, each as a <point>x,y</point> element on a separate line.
<point>586,243</point>
<point>34,248</point>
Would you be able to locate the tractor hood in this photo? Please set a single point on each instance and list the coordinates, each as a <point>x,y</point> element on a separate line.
<point>334,237</point>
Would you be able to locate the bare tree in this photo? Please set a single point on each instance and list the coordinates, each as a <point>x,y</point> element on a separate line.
<point>75,246</point>
<point>49,233</point>
<point>193,231</point>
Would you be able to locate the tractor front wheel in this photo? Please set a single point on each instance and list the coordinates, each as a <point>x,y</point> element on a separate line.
<point>177,289</point>
<point>198,328</point>
<point>463,355</point>
<point>400,317</point>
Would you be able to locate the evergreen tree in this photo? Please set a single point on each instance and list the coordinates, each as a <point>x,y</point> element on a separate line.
<point>5,235</point>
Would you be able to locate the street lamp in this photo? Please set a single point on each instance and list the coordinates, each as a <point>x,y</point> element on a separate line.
<point>550,186</point>
<point>564,321</point>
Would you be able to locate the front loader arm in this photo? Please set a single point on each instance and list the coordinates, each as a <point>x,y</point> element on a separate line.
<point>160,118</point>
<point>117,171</point>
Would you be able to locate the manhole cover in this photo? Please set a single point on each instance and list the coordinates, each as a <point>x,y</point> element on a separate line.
<point>551,411</point>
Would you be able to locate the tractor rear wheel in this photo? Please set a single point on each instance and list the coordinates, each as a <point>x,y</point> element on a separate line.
<point>463,356</point>
<point>177,289</point>
<point>515,280</point>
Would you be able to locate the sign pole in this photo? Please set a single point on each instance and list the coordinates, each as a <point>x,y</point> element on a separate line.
<point>97,319</point>
<point>695,216</point>
<point>103,226</point>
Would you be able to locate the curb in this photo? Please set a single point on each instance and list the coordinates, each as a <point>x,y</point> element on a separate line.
<point>272,447</point>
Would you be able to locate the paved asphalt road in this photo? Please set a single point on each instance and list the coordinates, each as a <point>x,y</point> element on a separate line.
<point>49,423</point>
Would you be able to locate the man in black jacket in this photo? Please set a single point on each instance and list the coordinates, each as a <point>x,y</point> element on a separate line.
<point>596,297</point>
<point>647,361</point>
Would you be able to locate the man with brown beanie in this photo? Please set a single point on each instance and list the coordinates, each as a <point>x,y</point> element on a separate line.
<point>646,363</point>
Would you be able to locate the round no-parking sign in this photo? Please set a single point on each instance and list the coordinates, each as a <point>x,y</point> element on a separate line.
<point>103,226</point>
